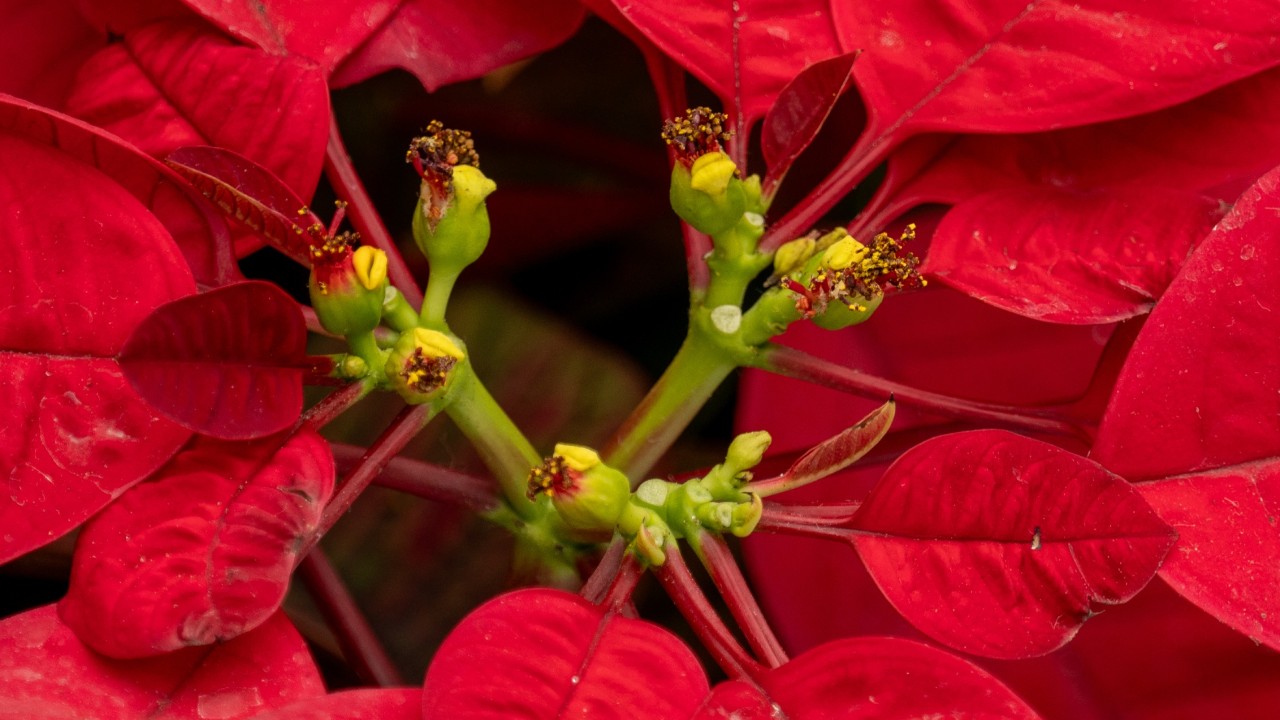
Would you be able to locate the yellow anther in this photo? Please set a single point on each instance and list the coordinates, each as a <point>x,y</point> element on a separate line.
<point>371,266</point>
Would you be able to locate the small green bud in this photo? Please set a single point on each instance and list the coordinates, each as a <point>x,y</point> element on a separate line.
<point>792,256</point>
<point>420,363</point>
<point>746,450</point>
<point>588,495</point>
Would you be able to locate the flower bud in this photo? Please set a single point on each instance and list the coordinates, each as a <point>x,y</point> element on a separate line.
<point>792,256</point>
<point>746,450</point>
<point>710,196</point>
<point>451,222</point>
<point>588,495</point>
<point>419,366</point>
<point>347,284</point>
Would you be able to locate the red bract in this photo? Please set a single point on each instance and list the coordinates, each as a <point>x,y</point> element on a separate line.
<point>1004,546</point>
<point>1194,418</point>
<point>442,43</point>
<point>198,233</point>
<point>380,704</point>
<point>147,580</point>
<point>549,654</point>
<point>251,194</point>
<point>799,112</point>
<point>177,83</point>
<point>1069,257</point>
<point>869,679</point>
<point>45,672</point>
<point>226,363</point>
<point>84,263</point>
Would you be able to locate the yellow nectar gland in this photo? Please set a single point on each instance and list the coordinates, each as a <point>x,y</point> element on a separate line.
<point>371,266</point>
<point>577,457</point>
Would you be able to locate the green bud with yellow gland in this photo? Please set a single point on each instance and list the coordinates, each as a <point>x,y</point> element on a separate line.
<point>348,286</point>
<point>453,231</point>
<point>708,194</point>
<point>588,495</point>
<point>420,365</point>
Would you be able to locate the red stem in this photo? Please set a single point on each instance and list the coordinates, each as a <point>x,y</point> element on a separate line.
<point>618,596</point>
<point>364,216</point>
<point>803,366</point>
<point>857,166</point>
<point>728,579</point>
<point>602,578</point>
<point>806,521</point>
<point>427,480</point>
<point>360,645</point>
<point>335,403</point>
<point>406,425</point>
<point>668,83</point>
<point>724,647</point>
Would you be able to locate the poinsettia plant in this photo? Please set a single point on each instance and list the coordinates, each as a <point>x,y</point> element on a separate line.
<point>1000,282</point>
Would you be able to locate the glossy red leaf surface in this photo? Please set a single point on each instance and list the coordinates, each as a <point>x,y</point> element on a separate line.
<point>549,654</point>
<point>887,678</point>
<point>769,42</point>
<point>367,704</point>
<point>799,112</point>
<point>250,193</point>
<point>175,83</point>
<point>324,33</point>
<point>1212,143</point>
<point>1196,412</point>
<point>199,234</point>
<point>959,66</point>
<point>442,42</point>
<point>226,363</point>
<point>1069,257</point>
<point>1003,546</point>
<point>44,45</point>
<point>203,551</point>
<point>83,263</point>
<point>46,673</point>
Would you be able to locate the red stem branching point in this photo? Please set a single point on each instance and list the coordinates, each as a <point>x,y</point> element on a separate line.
<point>728,579</point>
<point>360,645</point>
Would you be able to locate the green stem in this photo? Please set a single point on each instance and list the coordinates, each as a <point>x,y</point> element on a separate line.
<point>504,449</point>
<point>695,372</point>
<point>366,347</point>
<point>398,313</point>
<point>439,288</point>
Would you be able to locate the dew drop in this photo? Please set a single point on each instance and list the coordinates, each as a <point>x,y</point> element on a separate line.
<point>1246,252</point>
<point>575,679</point>
<point>1237,281</point>
<point>1216,265</point>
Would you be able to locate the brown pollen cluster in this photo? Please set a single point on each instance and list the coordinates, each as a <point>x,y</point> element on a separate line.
<point>424,373</point>
<point>551,476</point>
<point>696,133</point>
<point>884,264</point>
<point>439,150</point>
